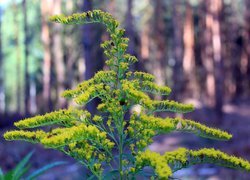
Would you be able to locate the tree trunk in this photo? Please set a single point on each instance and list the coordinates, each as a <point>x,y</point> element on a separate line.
<point>2,93</point>
<point>45,35</point>
<point>216,7</point>
<point>212,57</point>
<point>19,94</point>
<point>178,51</point>
<point>26,63</point>
<point>159,62</point>
<point>188,56</point>
<point>58,56</point>
<point>247,43</point>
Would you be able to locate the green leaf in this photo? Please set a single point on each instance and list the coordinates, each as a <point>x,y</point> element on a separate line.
<point>20,169</point>
<point>111,175</point>
<point>43,169</point>
<point>91,177</point>
<point>1,174</point>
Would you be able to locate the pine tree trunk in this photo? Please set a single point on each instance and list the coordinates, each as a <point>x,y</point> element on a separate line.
<point>216,7</point>
<point>45,35</point>
<point>26,63</point>
<point>58,56</point>
<point>212,57</point>
<point>188,55</point>
<point>159,62</point>
<point>2,93</point>
<point>19,94</point>
<point>178,77</point>
<point>247,43</point>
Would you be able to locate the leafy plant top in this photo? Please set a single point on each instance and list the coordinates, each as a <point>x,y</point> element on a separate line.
<point>110,144</point>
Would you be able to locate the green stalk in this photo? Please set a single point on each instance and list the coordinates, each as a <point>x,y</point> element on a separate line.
<point>121,147</point>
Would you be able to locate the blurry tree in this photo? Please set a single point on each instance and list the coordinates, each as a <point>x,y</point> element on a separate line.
<point>46,8</point>
<point>19,82</point>
<point>26,61</point>
<point>247,43</point>
<point>58,55</point>
<point>2,93</point>
<point>158,31</point>
<point>178,76</point>
<point>215,8</point>
<point>212,55</point>
<point>189,67</point>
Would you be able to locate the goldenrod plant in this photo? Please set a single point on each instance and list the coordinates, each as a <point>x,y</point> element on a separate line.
<point>108,144</point>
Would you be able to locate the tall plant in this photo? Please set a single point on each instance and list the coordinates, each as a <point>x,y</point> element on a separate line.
<point>107,143</point>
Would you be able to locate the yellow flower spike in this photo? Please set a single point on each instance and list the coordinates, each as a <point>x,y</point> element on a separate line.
<point>132,169</point>
<point>65,117</point>
<point>109,122</point>
<point>97,118</point>
<point>30,136</point>
<point>97,166</point>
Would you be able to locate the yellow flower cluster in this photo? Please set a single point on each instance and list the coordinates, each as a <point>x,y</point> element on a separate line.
<point>179,155</point>
<point>75,134</point>
<point>144,76</point>
<point>156,124</point>
<point>130,59</point>
<point>154,160</point>
<point>33,137</point>
<point>81,150</point>
<point>143,127</point>
<point>134,90</point>
<point>97,118</point>
<point>153,88</point>
<point>88,17</point>
<point>65,117</point>
<point>199,129</point>
<point>136,95</point>
<point>97,90</point>
<point>213,156</point>
<point>165,165</point>
<point>172,106</point>
<point>105,77</point>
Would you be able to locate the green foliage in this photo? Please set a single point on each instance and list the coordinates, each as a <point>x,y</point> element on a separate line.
<point>22,168</point>
<point>94,139</point>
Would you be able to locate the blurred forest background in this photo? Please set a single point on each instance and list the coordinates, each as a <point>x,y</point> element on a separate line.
<point>200,48</point>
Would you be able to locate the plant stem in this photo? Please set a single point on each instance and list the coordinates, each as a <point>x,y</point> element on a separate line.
<point>120,153</point>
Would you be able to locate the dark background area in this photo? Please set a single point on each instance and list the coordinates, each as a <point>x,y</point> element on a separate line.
<point>200,48</point>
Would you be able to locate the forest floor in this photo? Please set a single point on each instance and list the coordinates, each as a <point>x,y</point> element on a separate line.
<point>236,120</point>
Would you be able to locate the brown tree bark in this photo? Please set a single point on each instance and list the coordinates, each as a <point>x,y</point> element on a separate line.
<point>212,57</point>
<point>247,43</point>
<point>188,55</point>
<point>216,7</point>
<point>2,93</point>
<point>178,76</point>
<point>26,63</point>
<point>46,7</point>
<point>19,89</point>
<point>58,56</point>
<point>159,62</point>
